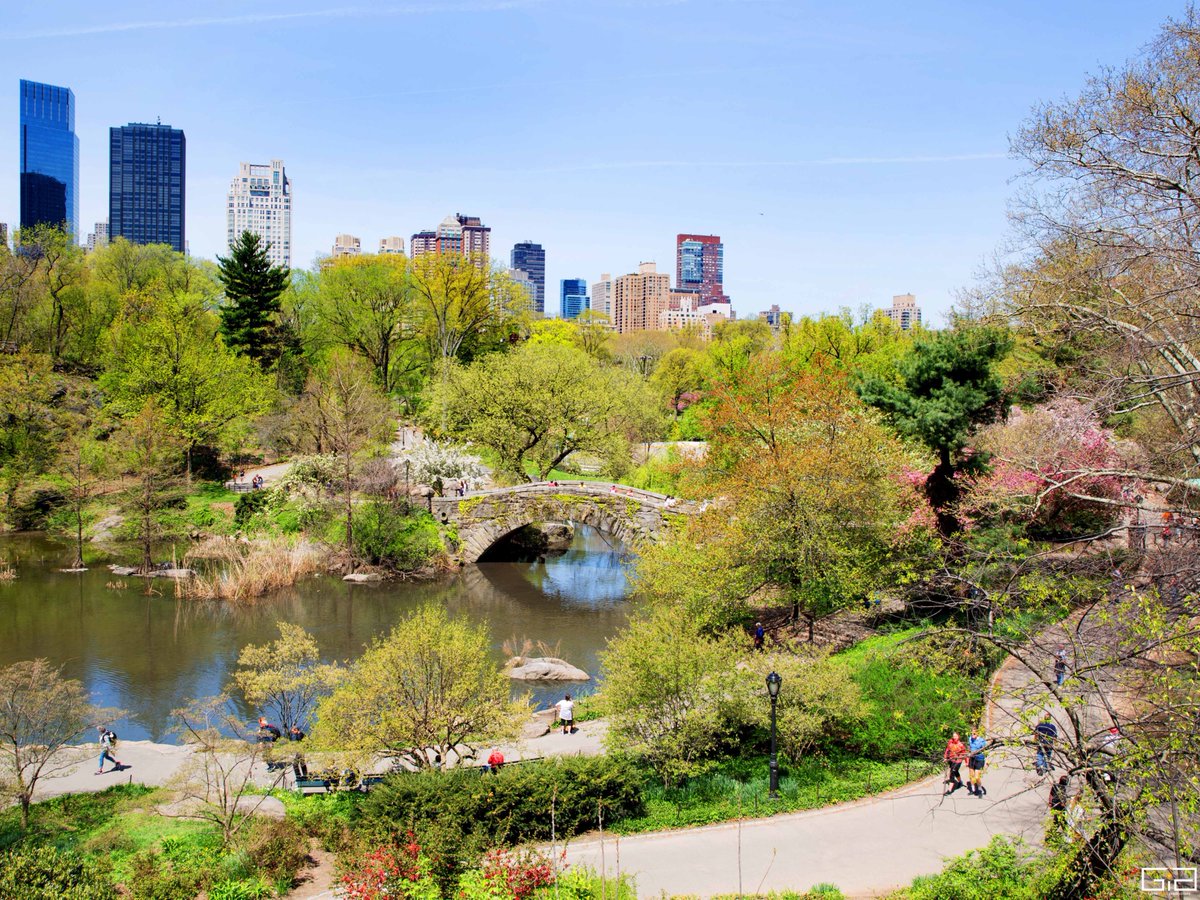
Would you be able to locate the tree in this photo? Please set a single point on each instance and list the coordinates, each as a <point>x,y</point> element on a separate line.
<point>679,373</point>
<point>286,676</point>
<point>81,467</point>
<point>669,693</point>
<point>42,718</point>
<point>167,349</point>
<point>29,418</point>
<point>949,387</point>
<point>367,304</point>
<point>62,271</point>
<point>1116,262</point>
<point>250,318</point>
<point>345,413</point>
<point>541,403</point>
<point>218,784</point>
<point>150,455</point>
<point>811,501</point>
<point>428,690</point>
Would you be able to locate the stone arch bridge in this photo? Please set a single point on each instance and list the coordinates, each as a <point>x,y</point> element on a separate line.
<point>634,516</point>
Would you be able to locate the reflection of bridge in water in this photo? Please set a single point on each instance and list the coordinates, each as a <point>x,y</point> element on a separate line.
<point>633,516</point>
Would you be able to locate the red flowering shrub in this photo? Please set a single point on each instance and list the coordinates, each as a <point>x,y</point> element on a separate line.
<point>391,873</point>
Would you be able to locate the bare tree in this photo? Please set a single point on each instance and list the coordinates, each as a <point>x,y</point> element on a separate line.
<point>42,717</point>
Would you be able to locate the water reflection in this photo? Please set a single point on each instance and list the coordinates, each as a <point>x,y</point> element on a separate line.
<point>149,655</point>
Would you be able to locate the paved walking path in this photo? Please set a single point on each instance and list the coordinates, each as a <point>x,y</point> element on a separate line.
<point>867,848</point>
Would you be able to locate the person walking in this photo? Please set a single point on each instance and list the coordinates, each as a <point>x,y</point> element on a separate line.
<point>108,743</point>
<point>1060,665</point>
<point>1058,804</point>
<point>976,761</point>
<point>1045,733</point>
<point>760,635</point>
<point>954,754</point>
<point>566,713</point>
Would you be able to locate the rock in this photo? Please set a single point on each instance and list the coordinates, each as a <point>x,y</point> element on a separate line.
<point>544,668</point>
<point>559,535</point>
<point>78,569</point>
<point>123,570</point>
<point>104,529</point>
<point>362,577</point>
<point>178,574</point>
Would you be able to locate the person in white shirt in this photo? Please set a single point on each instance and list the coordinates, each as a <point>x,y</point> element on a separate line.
<point>566,712</point>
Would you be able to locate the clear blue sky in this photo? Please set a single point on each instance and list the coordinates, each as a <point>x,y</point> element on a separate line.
<point>844,151</point>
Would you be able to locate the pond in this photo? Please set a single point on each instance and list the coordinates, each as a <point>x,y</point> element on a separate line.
<point>150,655</point>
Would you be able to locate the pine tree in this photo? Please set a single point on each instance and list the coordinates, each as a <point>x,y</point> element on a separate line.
<point>252,290</point>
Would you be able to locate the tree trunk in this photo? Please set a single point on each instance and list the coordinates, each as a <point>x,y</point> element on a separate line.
<point>78,564</point>
<point>24,812</point>
<point>941,491</point>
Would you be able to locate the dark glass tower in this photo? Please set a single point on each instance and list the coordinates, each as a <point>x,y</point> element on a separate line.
<point>49,157</point>
<point>573,298</point>
<point>146,185</point>
<point>530,258</point>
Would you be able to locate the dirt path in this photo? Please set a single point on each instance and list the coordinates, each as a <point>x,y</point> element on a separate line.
<point>319,878</point>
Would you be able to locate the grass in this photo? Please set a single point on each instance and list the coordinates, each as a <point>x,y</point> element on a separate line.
<point>257,569</point>
<point>739,788</point>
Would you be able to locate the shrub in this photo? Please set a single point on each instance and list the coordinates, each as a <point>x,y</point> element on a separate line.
<point>395,535</point>
<point>276,848</point>
<point>44,873</point>
<point>511,806</point>
<point>1002,869</point>
<point>515,874</point>
<point>254,889</point>
<point>249,505</point>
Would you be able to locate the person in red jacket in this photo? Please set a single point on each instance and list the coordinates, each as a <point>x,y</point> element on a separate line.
<point>495,761</point>
<point>955,753</point>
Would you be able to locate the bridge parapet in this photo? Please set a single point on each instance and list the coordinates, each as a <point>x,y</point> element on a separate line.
<point>630,514</point>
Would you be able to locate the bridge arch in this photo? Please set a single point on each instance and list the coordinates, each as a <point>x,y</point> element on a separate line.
<point>484,517</point>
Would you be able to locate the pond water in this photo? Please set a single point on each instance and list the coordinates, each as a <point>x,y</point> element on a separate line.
<point>150,655</point>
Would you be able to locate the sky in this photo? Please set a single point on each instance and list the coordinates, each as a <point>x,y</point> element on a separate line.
<point>845,152</point>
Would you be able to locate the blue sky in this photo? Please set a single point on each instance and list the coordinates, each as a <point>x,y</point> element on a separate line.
<point>844,151</point>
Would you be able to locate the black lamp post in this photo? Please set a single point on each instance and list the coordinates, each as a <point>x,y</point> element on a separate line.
<point>407,493</point>
<point>773,682</point>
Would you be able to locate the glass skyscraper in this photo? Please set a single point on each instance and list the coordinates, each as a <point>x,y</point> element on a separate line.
<point>146,185</point>
<point>530,258</point>
<point>49,157</point>
<point>574,297</point>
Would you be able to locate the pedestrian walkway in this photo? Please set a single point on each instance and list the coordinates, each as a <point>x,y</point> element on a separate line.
<point>867,848</point>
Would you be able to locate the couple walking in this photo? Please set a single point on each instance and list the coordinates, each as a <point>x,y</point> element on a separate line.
<point>973,753</point>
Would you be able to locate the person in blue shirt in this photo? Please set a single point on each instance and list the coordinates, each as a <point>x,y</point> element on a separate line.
<point>976,760</point>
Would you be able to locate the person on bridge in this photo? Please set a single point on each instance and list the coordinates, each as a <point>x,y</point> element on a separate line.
<point>976,761</point>
<point>954,754</point>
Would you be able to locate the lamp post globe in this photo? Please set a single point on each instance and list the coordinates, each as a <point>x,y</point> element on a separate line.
<point>774,682</point>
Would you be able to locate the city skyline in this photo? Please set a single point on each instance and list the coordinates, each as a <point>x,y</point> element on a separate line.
<point>820,210</point>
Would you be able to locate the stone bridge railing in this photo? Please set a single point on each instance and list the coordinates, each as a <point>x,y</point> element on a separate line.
<point>633,516</point>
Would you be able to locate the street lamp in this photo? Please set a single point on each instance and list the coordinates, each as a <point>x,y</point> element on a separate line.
<point>773,682</point>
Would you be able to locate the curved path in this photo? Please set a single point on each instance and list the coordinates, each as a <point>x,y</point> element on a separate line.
<point>866,848</point>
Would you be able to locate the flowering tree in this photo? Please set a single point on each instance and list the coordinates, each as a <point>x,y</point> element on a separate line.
<point>445,462</point>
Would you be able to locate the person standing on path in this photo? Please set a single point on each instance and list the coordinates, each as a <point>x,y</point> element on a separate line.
<point>976,760</point>
<point>955,753</point>
<point>1058,804</point>
<point>759,635</point>
<point>566,712</point>
<point>108,743</point>
<point>1060,665</point>
<point>1046,733</point>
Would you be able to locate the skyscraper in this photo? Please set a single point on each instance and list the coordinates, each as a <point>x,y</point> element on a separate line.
<point>602,295</point>
<point>573,297</point>
<point>639,298</point>
<point>49,157</point>
<point>147,184</point>
<point>531,259</point>
<point>260,201</point>
<point>346,245</point>
<point>98,239</point>
<point>456,234</point>
<point>700,266</point>
<point>904,311</point>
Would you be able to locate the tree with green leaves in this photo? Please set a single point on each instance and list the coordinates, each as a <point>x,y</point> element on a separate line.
<point>424,693</point>
<point>149,454</point>
<point>948,388</point>
<point>250,316</point>
<point>82,463</point>
<point>286,676</point>
<point>541,403</point>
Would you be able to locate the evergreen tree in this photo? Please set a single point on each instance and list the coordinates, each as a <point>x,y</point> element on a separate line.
<point>948,388</point>
<point>252,289</point>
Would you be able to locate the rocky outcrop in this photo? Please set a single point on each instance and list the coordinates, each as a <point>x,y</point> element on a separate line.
<point>362,577</point>
<point>544,668</point>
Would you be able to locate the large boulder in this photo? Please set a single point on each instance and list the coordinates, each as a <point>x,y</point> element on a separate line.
<point>544,668</point>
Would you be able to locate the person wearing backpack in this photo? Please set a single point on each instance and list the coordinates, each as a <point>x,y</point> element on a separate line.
<point>108,743</point>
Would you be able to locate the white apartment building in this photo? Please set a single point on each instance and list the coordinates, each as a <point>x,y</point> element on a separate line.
<point>602,295</point>
<point>904,311</point>
<point>98,237</point>
<point>391,245</point>
<point>260,201</point>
